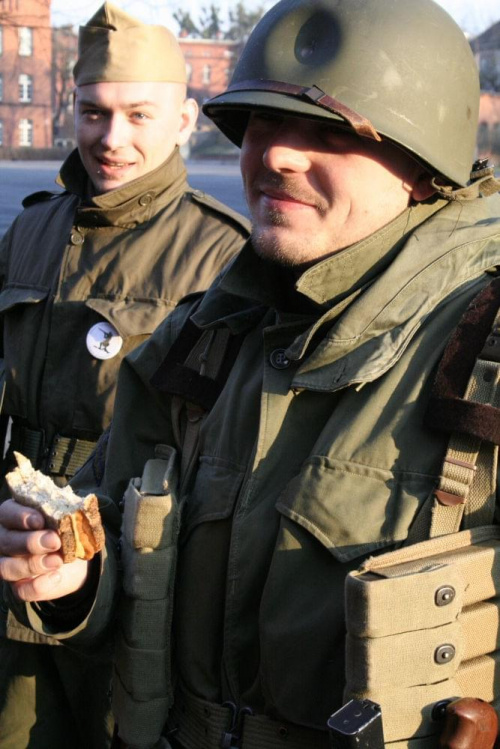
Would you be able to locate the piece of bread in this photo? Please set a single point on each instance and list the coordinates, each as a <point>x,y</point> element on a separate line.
<point>76,519</point>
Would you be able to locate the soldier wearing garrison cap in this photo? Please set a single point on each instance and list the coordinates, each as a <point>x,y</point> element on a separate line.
<point>323,412</point>
<point>87,275</point>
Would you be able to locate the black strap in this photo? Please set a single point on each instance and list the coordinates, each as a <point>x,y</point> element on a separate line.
<point>175,378</point>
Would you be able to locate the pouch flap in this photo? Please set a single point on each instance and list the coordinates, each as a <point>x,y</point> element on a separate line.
<point>406,659</point>
<point>10,296</point>
<point>160,475</point>
<point>130,318</point>
<point>151,520</point>
<point>378,607</point>
<point>353,509</point>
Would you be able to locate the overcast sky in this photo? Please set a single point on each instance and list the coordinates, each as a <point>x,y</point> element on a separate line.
<point>473,15</point>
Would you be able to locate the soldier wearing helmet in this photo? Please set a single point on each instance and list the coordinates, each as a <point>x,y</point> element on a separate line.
<point>281,437</point>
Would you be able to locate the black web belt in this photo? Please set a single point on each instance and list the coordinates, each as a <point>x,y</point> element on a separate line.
<point>63,456</point>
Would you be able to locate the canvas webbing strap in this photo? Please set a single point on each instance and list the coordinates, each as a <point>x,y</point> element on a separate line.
<point>468,478</point>
<point>64,456</point>
<point>466,403</point>
<point>198,724</point>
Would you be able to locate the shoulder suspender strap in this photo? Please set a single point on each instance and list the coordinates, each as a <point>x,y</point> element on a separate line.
<point>470,410</point>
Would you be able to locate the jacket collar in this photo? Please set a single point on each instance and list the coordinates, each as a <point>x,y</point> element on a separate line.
<point>365,325</point>
<point>127,206</point>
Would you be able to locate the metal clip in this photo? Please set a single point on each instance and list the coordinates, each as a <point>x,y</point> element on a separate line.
<point>231,739</point>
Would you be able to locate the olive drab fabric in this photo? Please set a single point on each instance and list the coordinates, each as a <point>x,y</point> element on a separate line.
<point>71,264</point>
<point>123,258</point>
<point>114,46</point>
<point>314,456</point>
<point>399,69</point>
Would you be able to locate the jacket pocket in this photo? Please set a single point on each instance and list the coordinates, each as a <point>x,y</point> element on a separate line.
<point>354,509</point>
<point>131,317</point>
<point>22,309</point>
<point>332,514</point>
<point>213,495</point>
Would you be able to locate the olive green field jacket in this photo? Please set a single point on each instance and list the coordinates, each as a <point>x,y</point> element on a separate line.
<point>314,456</point>
<point>70,261</point>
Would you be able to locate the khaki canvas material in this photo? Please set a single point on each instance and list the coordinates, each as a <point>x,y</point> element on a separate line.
<point>403,608</point>
<point>142,692</point>
<point>114,46</point>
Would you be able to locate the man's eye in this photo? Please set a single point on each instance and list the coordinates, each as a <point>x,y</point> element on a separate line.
<point>140,116</point>
<point>91,114</point>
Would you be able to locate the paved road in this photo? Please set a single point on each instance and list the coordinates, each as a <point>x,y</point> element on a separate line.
<point>20,178</point>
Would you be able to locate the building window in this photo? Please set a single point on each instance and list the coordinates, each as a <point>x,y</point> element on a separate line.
<point>189,72</point>
<point>25,87</point>
<point>206,75</point>
<point>1,133</point>
<point>1,86</point>
<point>1,40</point>
<point>25,41</point>
<point>26,132</point>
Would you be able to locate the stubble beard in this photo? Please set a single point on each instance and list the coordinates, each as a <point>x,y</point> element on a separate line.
<point>289,247</point>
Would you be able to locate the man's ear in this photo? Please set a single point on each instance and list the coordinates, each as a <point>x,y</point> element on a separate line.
<point>189,115</point>
<point>422,189</point>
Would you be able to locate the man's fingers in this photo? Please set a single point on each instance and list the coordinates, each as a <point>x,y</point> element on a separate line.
<point>17,517</point>
<point>21,543</point>
<point>47,587</point>
<point>13,569</point>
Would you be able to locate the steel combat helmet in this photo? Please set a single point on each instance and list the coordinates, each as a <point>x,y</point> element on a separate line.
<point>401,69</point>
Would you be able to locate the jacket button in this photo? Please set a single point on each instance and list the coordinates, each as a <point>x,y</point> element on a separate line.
<point>146,199</point>
<point>76,238</point>
<point>278,359</point>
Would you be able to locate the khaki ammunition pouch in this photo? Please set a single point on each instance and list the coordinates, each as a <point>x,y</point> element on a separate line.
<point>423,621</point>
<point>422,627</point>
<point>142,688</point>
<point>192,375</point>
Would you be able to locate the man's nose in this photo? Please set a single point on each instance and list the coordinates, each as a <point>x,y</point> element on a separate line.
<point>287,150</point>
<point>114,134</point>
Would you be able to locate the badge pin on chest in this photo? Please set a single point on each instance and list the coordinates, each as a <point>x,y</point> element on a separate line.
<point>104,341</point>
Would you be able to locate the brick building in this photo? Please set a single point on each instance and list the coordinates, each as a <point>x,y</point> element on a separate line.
<point>25,78</point>
<point>210,63</point>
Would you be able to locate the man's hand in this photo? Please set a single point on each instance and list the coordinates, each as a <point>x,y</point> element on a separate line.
<point>29,558</point>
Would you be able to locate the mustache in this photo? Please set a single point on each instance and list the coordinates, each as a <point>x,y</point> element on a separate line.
<point>288,185</point>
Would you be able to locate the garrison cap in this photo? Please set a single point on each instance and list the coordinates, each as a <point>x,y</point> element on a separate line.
<point>114,46</point>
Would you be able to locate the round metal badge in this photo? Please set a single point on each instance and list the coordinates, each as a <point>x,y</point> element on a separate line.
<point>104,341</point>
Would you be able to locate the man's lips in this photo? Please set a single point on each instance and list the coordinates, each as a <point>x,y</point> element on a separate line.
<point>287,197</point>
<point>285,194</point>
<point>113,163</point>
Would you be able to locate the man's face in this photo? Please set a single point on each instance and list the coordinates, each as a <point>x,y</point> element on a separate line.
<point>313,188</point>
<point>125,130</point>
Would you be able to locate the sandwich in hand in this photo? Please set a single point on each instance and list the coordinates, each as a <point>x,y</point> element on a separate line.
<point>76,519</point>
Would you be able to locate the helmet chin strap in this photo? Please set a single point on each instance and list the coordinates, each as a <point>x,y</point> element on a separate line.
<point>316,96</point>
<point>483,182</point>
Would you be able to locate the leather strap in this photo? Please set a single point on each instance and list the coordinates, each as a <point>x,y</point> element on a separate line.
<point>314,95</point>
